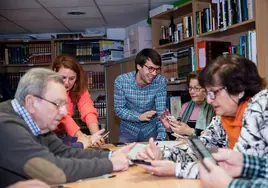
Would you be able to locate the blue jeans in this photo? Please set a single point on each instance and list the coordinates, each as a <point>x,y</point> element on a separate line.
<point>126,137</point>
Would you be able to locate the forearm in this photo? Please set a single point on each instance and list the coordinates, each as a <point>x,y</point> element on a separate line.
<point>161,131</point>
<point>93,128</point>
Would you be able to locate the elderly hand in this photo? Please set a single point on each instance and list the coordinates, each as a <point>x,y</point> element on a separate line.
<point>97,139</point>
<point>231,161</point>
<point>29,184</point>
<point>124,150</point>
<point>181,128</point>
<point>120,162</point>
<point>215,178</point>
<point>161,168</point>
<point>151,152</point>
<point>147,116</point>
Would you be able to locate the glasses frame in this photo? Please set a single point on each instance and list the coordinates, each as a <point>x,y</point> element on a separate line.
<point>194,89</point>
<point>213,94</point>
<point>151,69</point>
<point>51,102</point>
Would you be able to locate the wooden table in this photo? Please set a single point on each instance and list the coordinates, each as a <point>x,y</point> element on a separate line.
<point>135,177</point>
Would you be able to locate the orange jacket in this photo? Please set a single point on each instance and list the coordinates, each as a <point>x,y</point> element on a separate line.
<point>87,112</point>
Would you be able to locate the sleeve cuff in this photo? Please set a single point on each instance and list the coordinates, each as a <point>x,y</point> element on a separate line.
<point>110,154</point>
<point>239,183</point>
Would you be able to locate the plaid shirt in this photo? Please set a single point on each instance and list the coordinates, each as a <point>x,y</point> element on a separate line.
<point>255,170</point>
<point>26,116</point>
<point>130,101</point>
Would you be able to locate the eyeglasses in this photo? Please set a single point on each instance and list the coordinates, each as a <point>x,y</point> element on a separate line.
<point>194,88</point>
<point>151,69</point>
<point>212,94</point>
<point>51,102</point>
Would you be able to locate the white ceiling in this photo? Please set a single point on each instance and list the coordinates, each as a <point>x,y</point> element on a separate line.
<point>43,16</point>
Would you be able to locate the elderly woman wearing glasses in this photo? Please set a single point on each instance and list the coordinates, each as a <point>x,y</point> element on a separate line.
<point>239,98</point>
<point>196,114</point>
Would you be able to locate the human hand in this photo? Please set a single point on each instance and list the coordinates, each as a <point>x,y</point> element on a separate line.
<point>151,152</point>
<point>120,162</point>
<point>181,128</point>
<point>231,161</point>
<point>215,178</point>
<point>147,116</point>
<point>29,184</point>
<point>85,140</point>
<point>124,150</point>
<point>97,139</point>
<point>163,118</point>
<point>161,168</point>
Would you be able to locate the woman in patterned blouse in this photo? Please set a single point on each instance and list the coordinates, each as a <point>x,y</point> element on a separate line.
<point>238,95</point>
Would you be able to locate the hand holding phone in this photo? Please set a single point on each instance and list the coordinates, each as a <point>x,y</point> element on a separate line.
<point>200,150</point>
<point>106,135</point>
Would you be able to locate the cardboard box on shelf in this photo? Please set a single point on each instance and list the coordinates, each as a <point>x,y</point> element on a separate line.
<point>139,38</point>
<point>160,9</point>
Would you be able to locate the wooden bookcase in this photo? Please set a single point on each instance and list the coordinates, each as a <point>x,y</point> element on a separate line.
<point>21,55</point>
<point>229,34</point>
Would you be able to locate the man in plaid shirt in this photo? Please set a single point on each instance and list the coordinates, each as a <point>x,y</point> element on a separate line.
<point>235,170</point>
<point>139,98</point>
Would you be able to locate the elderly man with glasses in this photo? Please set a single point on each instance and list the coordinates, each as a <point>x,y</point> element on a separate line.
<point>29,147</point>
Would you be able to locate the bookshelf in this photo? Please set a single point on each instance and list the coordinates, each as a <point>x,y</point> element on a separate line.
<point>231,32</point>
<point>17,56</point>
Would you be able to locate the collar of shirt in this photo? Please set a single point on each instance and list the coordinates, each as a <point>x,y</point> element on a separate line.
<point>136,86</point>
<point>26,116</point>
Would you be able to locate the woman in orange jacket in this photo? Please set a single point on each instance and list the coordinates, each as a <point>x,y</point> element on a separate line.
<point>76,84</point>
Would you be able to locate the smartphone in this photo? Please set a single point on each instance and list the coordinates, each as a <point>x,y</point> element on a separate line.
<point>140,161</point>
<point>119,144</point>
<point>171,118</point>
<point>200,150</point>
<point>105,135</point>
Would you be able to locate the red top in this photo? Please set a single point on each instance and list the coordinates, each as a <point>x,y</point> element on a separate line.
<point>87,112</point>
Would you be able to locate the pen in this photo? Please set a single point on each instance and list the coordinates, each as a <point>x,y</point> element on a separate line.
<point>100,177</point>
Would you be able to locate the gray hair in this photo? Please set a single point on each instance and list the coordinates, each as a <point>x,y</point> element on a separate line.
<point>34,82</point>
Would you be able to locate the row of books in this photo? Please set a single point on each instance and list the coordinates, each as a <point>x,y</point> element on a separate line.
<point>175,99</point>
<point>209,50</point>
<point>84,51</point>
<point>101,108</point>
<point>178,64</point>
<point>223,13</point>
<point>13,79</point>
<point>96,80</point>
<point>27,53</point>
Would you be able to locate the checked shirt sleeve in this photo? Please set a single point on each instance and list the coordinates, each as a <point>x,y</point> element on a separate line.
<point>160,102</point>
<point>120,104</point>
<point>256,170</point>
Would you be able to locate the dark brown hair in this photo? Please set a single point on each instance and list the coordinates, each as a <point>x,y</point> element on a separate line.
<point>234,72</point>
<point>81,84</point>
<point>193,75</point>
<point>145,54</point>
